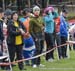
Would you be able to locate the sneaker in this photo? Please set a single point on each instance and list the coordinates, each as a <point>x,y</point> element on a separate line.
<point>60,57</point>
<point>41,65</point>
<point>51,60</point>
<point>23,69</point>
<point>34,66</point>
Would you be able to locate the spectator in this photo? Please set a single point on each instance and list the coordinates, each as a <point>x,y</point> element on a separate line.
<point>63,32</point>
<point>57,33</point>
<point>1,33</point>
<point>15,39</point>
<point>49,33</point>
<point>29,45</point>
<point>1,27</point>
<point>36,30</point>
<point>7,17</point>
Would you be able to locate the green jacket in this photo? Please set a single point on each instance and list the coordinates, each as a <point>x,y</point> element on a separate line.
<point>36,25</point>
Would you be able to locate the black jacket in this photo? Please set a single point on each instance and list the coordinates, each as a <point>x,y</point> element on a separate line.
<point>1,32</point>
<point>12,32</point>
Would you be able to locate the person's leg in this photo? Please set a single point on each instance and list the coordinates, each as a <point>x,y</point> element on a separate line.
<point>58,40</point>
<point>48,45</point>
<point>1,54</point>
<point>27,63</point>
<point>37,52</point>
<point>52,44</point>
<point>64,48</point>
<point>19,56</point>
<point>11,50</point>
<point>41,46</point>
<point>73,46</point>
<point>26,54</point>
<point>38,59</point>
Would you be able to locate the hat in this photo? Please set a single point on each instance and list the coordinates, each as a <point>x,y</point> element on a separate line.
<point>8,12</point>
<point>36,8</point>
<point>47,9</point>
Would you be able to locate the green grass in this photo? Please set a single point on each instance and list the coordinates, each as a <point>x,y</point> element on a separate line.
<point>57,65</point>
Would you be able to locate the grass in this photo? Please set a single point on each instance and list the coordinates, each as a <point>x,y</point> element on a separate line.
<point>57,65</point>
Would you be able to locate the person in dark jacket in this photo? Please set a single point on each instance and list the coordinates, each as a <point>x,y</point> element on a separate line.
<point>15,39</point>
<point>1,34</point>
<point>1,27</point>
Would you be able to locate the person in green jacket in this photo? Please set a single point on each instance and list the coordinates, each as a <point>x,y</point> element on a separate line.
<point>36,30</point>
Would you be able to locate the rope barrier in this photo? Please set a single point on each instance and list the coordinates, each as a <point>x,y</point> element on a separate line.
<point>6,64</point>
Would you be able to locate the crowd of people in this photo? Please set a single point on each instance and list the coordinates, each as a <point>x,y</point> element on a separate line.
<point>26,34</point>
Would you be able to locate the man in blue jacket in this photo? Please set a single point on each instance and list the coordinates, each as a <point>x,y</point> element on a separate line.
<point>63,32</point>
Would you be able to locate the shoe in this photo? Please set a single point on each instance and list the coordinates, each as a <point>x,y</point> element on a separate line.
<point>51,60</point>
<point>41,65</point>
<point>65,57</point>
<point>13,65</point>
<point>60,57</point>
<point>23,69</point>
<point>28,65</point>
<point>34,66</point>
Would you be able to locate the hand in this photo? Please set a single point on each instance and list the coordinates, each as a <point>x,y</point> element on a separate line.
<point>26,35</point>
<point>22,31</point>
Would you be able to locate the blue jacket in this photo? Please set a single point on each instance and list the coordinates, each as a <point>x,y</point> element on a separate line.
<point>63,27</point>
<point>49,23</point>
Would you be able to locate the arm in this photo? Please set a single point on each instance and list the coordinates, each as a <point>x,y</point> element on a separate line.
<point>48,18</point>
<point>11,30</point>
<point>1,32</point>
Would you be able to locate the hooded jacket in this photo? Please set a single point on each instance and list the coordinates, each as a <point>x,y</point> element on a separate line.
<point>63,27</point>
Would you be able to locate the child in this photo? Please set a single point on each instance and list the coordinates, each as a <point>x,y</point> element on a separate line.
<point>29,45</point>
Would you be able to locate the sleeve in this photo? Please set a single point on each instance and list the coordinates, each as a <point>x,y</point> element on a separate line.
<point>48,19</point>
<point>63,26</point>
<point>1,32</point>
